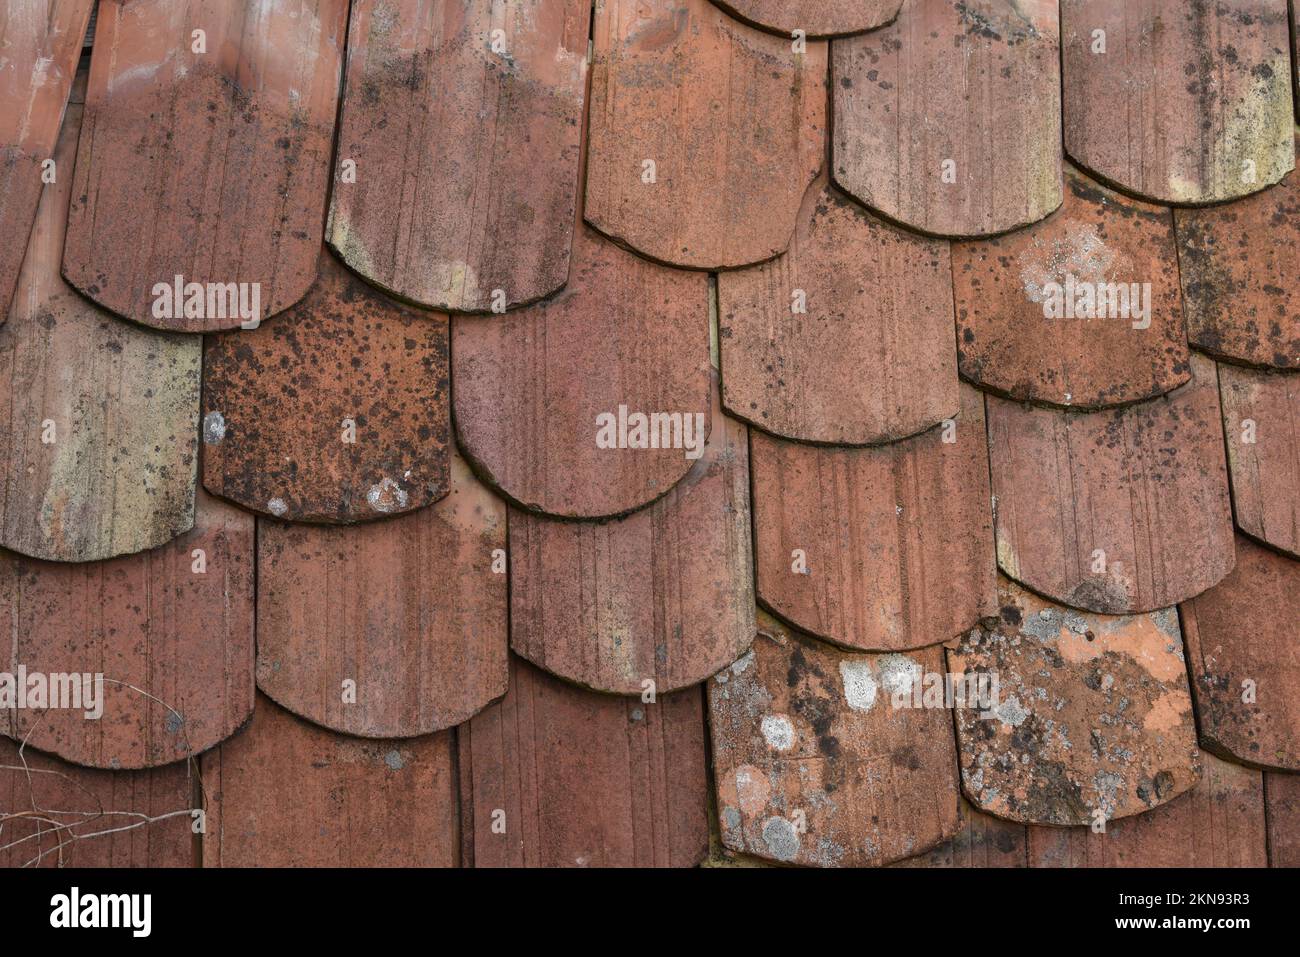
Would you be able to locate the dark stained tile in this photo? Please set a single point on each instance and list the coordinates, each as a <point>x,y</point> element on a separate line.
<point>556,776</point>
<point>948,119</point>
<point>54,814</point>
<point>816,18</point>
<point>285,793</point>
<point>42,43</point>
<point>704,132</point>
<point>1241,277</point>
<point>335,411</point>
<point>1283,801</point>
<point>1116,512</point>
<point>1245,660</point>
<point>1094,717</point>
<point>884,548</point>
<point>98,451</point>
<point>1035,314</point>
<point>1178,103</point>
<point>1218,823</point>
<point>848,337</point>
<point>170,631</point>
<point>412,612</point>
<point>817,764</point>
<point>211,166</point>
<point>457,168</point>
<point>531,385</point>
<point>1261,422</point>
<point>982,841</point>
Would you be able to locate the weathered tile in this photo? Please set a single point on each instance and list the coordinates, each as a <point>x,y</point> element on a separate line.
<point>704,132</point>
<point>1261,422</point>
<point>210,166</point>
<point>948,120</point>
<point>1283,794</point>
<point>1094,718</point>
<point>1116,512</point>
<point>665,595</point>
<point>1081,310</point>
<point>42,44</point>
<point>1178,103</point>
<point>99,450</point>
<point>392,629</point>
<point>1218,823</point>
<point>982,841</point>
<point>285,793</point>
<point>883,548</point>
<point>847,338</point>
<point>1241,276</point>
<point>625,337</point>
<point>556,776</point>
<point>1245,660</point>
<point>817,763</point>
<point>54,814</point>
<point>170,631</point>
<point>459,140</point>
<point>816,18</point>
<point>335,411</point>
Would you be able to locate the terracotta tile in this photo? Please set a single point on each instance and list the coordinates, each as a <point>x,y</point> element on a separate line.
<point>556,776</point>
<point>98,451</point>
<point>1094,716</point>
<point>211,166</point>
<point>409,610</point>
<point>816,763</point>
<point>1183,96</point>
<point>462,125</point>
<point>1241,276</point>
<point>982,841</point>
<point>884,548</point>
<point>816,18</point>
<point>285,793</point>
<point>55,814</point>
<point>1245,660</point>
<point>42,43</point>
<point>170,630</point>
<point>704,132</point>
<point>336,411</point>
<point>1261,422</point>
<point>1218,823</point>
<point>1283,793</point>
<point>847,338</point>
<point>1029,326</point>
<point>530,385</point>
<point>915,102</point>
<point>1116,512</point>
<point>665,595</point>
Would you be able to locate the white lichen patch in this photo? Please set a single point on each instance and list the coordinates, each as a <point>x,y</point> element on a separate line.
<point>387,496</point>
<point>277,507</point>
<point>777,731</point>
<point>214,428</point>
<point>860,685</point>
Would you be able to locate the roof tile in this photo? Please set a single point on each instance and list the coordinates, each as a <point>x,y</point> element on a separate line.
<point>1020,331</point>
<point>212,165</point>
<point>883,548</point>
<point>462,124</point>
<point>170,631</point>
<point>816,18</point>
<point>1241,292</point>
<point>815,762</point>
<point>556,776</point>
<point>982,841</point>
<point>98,453</point>
<point>285,793</point>
<point>913,102</point>
<point>845,339</point>
<point>1181,103</point>
<point>1094,717</point>
<point>410,611</point>
<point>665,595</point>
<point>1283,793</point>
<point>704,133</point>
<point>1135,499</point>
<point>626,334</point>
<point>1245,661</point>
<point>32,32</point>
<point>335,411</point>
